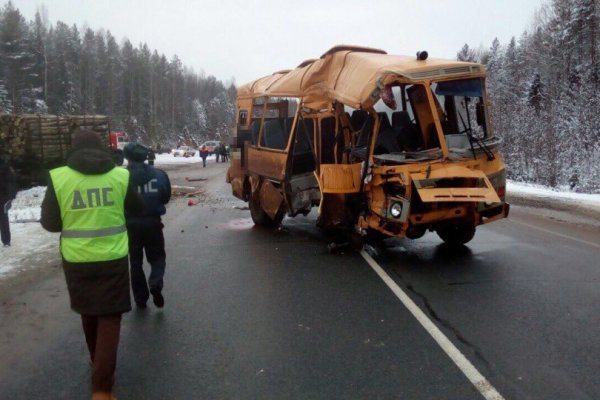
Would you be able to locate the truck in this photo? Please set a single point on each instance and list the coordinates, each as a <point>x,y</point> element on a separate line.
<point>381,145</point>
<point>36,143</point>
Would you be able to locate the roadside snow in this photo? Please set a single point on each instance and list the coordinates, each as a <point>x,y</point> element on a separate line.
<point>30,243</point>
<point>26,207</point>
<point>539,191</point>
<point>31,247</point>
<point>169,159</point>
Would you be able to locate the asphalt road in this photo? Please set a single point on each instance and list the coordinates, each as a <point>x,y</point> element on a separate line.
<point>269,314</point>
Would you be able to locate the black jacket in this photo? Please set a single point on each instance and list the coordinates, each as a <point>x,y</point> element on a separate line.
<point>8,183</point>
<point>153,185</point>
<point>95,288</point>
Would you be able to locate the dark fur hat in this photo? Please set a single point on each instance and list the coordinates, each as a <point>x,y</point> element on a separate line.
<point>87,139</point>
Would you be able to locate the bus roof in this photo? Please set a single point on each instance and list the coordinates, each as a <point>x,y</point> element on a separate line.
<point>353,76</point>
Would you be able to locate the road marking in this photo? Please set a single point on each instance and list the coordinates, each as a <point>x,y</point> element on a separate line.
<point>479,381</point>
<point>556,233</point>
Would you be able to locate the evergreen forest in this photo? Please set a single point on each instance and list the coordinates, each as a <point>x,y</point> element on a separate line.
<point>62,69</point>
<point>544,87</point>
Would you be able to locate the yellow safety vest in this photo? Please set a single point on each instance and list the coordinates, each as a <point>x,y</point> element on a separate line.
<point>92,208</point>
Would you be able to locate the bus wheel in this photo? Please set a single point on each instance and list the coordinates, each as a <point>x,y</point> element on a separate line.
<point>259,216</point>
<point>456,234</point>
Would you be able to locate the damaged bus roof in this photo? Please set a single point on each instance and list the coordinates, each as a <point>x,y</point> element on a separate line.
<point>353,75</point>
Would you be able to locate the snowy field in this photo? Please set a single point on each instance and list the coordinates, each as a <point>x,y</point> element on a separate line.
<point>33,247</point>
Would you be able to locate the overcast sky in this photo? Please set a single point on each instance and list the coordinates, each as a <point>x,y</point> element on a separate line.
<point>249,39</point>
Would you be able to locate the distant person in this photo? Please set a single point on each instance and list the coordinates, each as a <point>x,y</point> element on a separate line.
<point>227,151</point>
<point>217,151</point>
<point>8,192</point>
<point>223,152</point>
<point>151,157</point>
<point>204,155</point>
<point>145,231</point>
<point>86,201</point>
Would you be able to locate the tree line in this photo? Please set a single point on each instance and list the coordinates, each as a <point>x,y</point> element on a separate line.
<point>544,89</point>
<point>61,69</point>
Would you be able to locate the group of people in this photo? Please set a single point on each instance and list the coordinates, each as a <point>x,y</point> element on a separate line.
<point>107,214</point>
<point>221,151</point>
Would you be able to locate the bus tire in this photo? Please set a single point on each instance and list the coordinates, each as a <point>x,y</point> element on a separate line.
<point>456,233</point>
<point>259,216</point>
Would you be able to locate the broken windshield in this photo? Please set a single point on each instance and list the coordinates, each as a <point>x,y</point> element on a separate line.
<point>463,107</point>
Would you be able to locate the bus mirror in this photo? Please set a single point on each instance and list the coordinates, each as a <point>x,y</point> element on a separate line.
<point>480,112</point>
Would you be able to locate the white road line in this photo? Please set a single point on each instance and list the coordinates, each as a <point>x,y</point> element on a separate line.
<point>557,234</point>
<point>479,381</point>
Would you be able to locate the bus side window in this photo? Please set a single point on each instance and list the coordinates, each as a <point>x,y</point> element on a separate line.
<point>327,140</point>
<point>243,117</point>
<point>274,134</point>
<point>254,131</point>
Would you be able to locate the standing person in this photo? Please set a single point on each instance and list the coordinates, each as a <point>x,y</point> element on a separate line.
<point>145,231</point>
<point>151,157</point>
<point>217,151</point>
<point>222,152</point>
<point>203,155</point>
<point>86,201</point>
<point>228,151</point>
<point>8,191</point>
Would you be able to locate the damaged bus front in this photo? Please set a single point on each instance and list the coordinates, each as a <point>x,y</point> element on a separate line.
<point>385,145</point>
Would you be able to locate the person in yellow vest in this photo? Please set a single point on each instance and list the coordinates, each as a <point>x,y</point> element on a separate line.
<point>86,201</point>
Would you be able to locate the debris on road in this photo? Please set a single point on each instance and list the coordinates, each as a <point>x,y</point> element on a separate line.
<point>194,179</point>
<point>336,248</point>
<point>187,191</point>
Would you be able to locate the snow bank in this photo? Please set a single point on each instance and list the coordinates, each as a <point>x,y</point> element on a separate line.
<point>169,159</point>
<point>26,207</point>
<point>29,249</point>
<point>535,190</point>
<point>30,242</point>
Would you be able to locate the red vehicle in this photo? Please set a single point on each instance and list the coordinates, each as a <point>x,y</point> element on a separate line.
<point>118,141</point>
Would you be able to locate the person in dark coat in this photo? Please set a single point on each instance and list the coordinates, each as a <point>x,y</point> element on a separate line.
<point>151,157</point>
<point>94,260</point>
<point>8,192</point>
<point>204,155</point>
<point>224,153</point>
<point>145,231</point>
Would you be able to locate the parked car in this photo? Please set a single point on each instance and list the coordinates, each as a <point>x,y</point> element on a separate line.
<point>184,151</point>
<point>211,145</point>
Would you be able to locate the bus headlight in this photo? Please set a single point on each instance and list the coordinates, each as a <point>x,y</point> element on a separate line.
<point>396,210</point>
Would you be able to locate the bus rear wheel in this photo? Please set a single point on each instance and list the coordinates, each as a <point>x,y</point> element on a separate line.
<point>456,233</point>
<point>259,216</point>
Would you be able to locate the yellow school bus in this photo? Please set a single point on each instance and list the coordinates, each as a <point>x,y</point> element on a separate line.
<point>383,145</point>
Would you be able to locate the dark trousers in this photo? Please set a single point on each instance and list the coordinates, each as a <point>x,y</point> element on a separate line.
<point>146,236</point>
<point>204,162</point>
<point>102,338</point>
<point>4,226</point>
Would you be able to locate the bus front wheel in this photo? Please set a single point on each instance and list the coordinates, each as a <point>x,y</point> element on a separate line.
<point>456,233</point>
<point>259,216</point>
